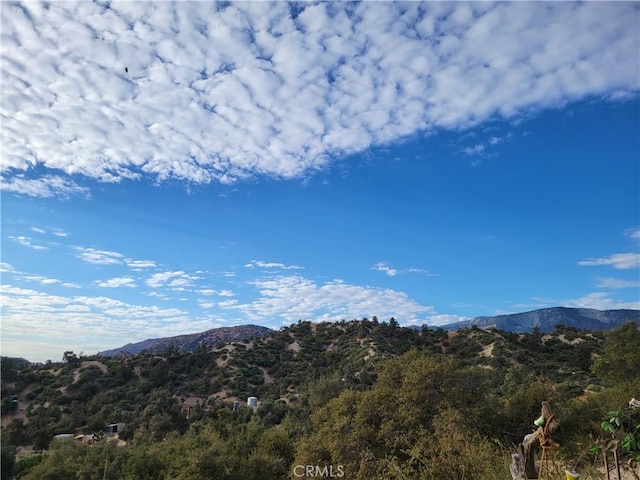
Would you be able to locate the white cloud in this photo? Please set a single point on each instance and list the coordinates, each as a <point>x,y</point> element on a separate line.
<point>48,281</point>
<point>140,264</point>
<point>222,92</point>
<point>159,295</point>
<point>445,319</point>
<point>206,304</point>
<point>60,233</point>
<point>481,148</point>
<point>220,293</point>
<point>475,150</point>
<point>601,301</point>
<point>6,267</point>
<point>261,264</point>
<point>107,257</point>
<point>608,282</point>
<point>292,298</point>
<point>47,186</point>
<point>117,282</point>
<point>386,269</point>
<point>206,291</point>
<point>99,257</point>
<point>634,233</point>
<point>618,260</point>
<point>41,279</point>
<point>175,280</point>
<point>57,323</point>
<point>26,242</point>
<point>37,230</point>
<point>228,304</point>
<point>392,272</point>
<point>181,282</point>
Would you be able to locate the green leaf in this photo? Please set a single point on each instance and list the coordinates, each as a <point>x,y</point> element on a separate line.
<point>596,450</point>
<point>616,417</point>
<point>629,443</point>
<point>607,427</point>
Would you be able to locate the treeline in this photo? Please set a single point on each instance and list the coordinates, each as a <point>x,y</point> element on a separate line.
<point>372,401</point>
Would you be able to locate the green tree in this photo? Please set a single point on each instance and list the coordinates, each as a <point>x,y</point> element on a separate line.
<point>393,324</point>
<point>162,416</point>
<point>71,359</point>
<point>620,360</point>
<point>8,461</point>
<point>8,369</point>
<point>375,433</point>
<point>40,427</point>
<point>14,433</point>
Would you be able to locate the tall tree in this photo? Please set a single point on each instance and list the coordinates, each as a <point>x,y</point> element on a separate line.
<point>620,360</point>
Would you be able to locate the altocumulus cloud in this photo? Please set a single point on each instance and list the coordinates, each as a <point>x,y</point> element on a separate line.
<point>294,298</point>
<point>117,282</point>
<point>206,92</point>
<point>99,257</point>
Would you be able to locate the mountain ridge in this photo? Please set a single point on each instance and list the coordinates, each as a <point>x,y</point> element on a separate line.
<point>546,319</point>
<point>191,341</point>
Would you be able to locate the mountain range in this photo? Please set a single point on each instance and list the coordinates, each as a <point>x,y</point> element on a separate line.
<point>547,318</point>
<point>189,342</point>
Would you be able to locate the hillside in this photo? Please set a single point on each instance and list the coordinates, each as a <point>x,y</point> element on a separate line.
<point>547,318</point>
<point>282,365</point>
<point>311,380</point>
<point>189,342</point>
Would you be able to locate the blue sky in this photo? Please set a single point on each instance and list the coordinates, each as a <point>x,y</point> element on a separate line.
<point>170,168</point>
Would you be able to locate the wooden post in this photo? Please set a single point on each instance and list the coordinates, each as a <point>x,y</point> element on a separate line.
<point>541,437</point>
<point>611,447</point>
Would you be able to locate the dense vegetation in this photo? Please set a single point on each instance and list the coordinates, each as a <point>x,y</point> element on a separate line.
<point>361,399</point>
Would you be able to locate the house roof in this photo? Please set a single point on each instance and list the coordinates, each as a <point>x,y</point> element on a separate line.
<point>192,402</point>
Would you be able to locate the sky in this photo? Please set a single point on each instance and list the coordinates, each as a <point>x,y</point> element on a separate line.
<point>167,168</point>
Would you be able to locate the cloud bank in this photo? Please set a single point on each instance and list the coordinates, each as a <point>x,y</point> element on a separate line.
<point>205,92</point>
<point>54,323</point>
<point>292,298</point>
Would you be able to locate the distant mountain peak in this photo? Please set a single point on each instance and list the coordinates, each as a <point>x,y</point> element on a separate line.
<point>189,342</point>
<point>545,319</point>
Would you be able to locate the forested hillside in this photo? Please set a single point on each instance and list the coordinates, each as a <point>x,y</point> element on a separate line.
<point>359,400</point>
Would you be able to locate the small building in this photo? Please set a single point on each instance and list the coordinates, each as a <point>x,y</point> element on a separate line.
<point>236,405</point>
<point>63,437</point>
<point>189,403</point>
<point>114,428</point>
<point>252,402</point>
